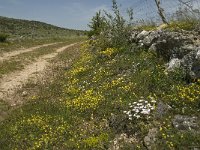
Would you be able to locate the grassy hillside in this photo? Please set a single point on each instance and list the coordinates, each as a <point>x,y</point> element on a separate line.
<point>107,94</point>
<point>89,101</point>
<point>17,28</point>
<point>18,34</point>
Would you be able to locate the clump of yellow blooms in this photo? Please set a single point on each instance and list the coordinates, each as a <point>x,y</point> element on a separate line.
<point>43,131</point>
<point>78,70</point>
<point>117,81</point>
<point>189,93</point>
<point>80,65</point>
<point>86,100</point>
<point>94,141</point>
<point>85,45</point>
<point>109,52</point>
<point>185,94</point>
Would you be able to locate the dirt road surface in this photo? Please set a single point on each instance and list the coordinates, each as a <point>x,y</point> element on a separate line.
<point>11,82</point>
<point>8,55</point>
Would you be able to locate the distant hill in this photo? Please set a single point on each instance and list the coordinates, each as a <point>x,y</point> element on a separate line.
<point>18,28</point>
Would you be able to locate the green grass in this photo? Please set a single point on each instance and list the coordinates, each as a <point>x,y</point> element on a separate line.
<point>147,27</point>
<point>73,111</point>
<point>3,106</point>
<point>24,29</point>
<point>187,25</point>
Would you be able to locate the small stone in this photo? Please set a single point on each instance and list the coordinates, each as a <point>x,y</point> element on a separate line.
<point>173,64</point>
<point>162,109</point>
<point>198,54</point>
<point>24,93</point>
<point>12,105</point>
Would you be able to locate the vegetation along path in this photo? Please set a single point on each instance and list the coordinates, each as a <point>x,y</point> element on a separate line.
<point>9,83</point>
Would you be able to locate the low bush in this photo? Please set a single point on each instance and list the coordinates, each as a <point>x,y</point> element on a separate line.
<point>111,29</point>
<point>3,37</point>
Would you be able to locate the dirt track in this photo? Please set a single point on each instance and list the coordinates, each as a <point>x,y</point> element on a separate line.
<point>8,55</point>
<point>10,83</point>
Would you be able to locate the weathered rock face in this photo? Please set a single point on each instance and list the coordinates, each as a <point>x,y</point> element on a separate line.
<point>142,35</point>
<point>173,64</point>
<point>196,65</point>
<point>169,44</point>
<point>166,41</point>
<point>149,140</point>
<point>151,38</point>
<point>198,54</point>
<point>191,63</point>
<point>162,109</point>
<point>181,49</point>
<point>185,123</point>
<point>122,141</point>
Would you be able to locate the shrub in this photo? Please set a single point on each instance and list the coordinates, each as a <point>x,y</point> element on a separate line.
<point>3,37</point>
<point>112,29</point>
<point>96,24</point>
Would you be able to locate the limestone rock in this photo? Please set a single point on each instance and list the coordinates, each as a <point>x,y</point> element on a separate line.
<point>173,64</point>
<point>169,45</point>
<point>150,139</point>
<point>24,93</point>
<point>185,123</point>
<point>198,54</point>
<point>161,109</point>
<point>191,63</point>
<point>142,35</point>
<point>153,47</point>
<point>122,141</point>
<point>180,48</point>
<point>133,37</point>
<point>151,38</point>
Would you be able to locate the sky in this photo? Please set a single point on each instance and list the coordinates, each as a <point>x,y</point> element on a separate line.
<point>74,14</point>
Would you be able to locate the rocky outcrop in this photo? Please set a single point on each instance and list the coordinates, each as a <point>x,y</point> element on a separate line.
<point>191,63</point>
<point>162,109</point>
<point>185,123</point>
<point>123,141</point>
<point>149,140</point>
<point>180,49</point>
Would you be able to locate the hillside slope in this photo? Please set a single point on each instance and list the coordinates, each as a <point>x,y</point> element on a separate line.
<point>17,28</point>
